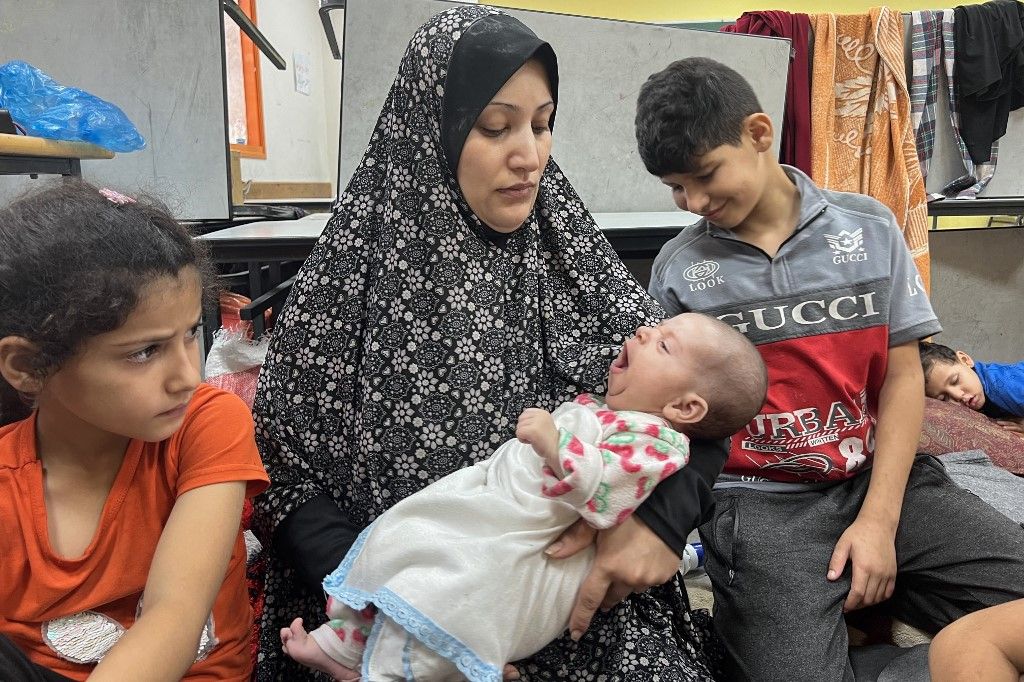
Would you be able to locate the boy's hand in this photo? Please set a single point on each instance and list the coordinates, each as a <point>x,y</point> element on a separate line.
<point>1016,424</point>
<point>871,547</point>
<point>537,428</point>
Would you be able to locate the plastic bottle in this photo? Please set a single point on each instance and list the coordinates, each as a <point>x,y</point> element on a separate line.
<point>693,557</point>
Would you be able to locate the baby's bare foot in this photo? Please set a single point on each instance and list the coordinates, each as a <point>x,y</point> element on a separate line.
<point>302,648</point>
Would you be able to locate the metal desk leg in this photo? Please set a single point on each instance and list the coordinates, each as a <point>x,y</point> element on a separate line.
<point>255,279</point>
<point>274,270</point>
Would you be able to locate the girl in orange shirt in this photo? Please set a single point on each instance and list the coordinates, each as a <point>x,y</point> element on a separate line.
<point>122,477</point>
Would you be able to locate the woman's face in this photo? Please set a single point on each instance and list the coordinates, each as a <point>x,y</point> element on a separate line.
<point>507,149</point>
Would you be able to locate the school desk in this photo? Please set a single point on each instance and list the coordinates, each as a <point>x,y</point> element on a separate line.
<point>28,155</point>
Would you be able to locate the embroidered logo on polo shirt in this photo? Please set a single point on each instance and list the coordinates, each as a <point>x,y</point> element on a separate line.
<point>847,247</point>
<point>703,275</point>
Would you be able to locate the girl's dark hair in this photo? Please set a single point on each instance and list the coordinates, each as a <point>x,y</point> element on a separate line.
<point>73,265</point>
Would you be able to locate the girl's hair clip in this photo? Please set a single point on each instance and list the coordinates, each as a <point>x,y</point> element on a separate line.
<point>116,197</point>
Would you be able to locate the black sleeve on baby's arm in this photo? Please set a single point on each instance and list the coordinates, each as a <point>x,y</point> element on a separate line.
<point>314,539</point>
<point>683,501</point>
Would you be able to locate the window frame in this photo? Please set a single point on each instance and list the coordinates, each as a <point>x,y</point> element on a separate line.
<point>255,148</point>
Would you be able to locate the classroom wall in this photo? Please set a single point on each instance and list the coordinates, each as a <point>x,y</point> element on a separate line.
<point>669,11</point>
<point>673,11</point>
<point>301,130</point>
<point>977,287</point>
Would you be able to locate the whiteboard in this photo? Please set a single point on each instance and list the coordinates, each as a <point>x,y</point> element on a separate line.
<point>162,63</point>
<point>602,64</point>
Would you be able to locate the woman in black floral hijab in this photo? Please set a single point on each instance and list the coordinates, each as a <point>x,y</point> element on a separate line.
<point>460,281</point>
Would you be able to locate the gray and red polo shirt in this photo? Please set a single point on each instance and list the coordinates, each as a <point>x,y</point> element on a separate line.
<point>823,312</point>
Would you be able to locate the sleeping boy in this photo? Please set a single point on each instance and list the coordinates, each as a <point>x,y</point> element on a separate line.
<point>996,390</point>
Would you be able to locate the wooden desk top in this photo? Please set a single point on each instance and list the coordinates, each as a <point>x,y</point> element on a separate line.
<point>27,145</point>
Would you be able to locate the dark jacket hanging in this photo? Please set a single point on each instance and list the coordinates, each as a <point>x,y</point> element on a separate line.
<point>989,71</point>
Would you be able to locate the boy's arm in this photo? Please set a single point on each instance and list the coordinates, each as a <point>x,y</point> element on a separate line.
<point>869,542</point>
<point>984,645</point>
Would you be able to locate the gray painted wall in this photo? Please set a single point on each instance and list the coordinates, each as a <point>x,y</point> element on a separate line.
<point>978,291</point>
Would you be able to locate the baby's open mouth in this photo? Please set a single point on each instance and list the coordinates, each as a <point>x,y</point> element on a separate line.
<point>622,362</point>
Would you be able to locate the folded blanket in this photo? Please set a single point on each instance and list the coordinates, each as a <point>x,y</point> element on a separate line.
<point>973,470</point>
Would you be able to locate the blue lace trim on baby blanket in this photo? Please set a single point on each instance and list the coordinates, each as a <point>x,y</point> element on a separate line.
<point>415,623</point>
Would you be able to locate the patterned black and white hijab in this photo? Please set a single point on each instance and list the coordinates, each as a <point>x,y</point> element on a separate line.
<point>414,337</point>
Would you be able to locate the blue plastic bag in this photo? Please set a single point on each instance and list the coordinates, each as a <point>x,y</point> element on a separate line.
<point>45,108</point>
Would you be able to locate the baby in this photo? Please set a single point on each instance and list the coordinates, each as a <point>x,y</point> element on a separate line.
<point>457,572</point>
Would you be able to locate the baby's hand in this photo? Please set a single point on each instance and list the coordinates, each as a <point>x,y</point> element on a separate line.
<point>537,428</point>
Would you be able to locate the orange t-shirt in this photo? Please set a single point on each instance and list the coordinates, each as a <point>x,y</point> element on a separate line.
<point>102,588</point>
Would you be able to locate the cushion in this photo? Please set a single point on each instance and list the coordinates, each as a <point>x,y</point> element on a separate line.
<point>952,427</point>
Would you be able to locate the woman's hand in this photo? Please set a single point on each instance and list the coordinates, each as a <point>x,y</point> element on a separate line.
<point>630,558</point>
